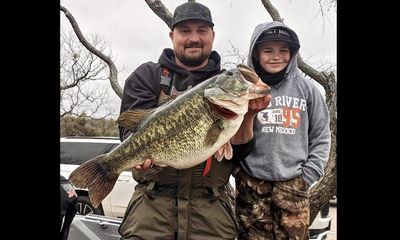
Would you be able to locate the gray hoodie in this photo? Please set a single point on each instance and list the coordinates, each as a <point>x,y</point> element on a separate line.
<point>292,134</point>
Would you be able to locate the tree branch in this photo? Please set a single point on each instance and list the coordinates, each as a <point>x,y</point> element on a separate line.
<point>272,11</point>
<point>113,70</point>
<point>161,11</point>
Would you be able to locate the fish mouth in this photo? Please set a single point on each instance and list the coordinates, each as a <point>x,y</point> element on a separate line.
<point>256,89</point>
<point>224,112</point>
<point>259,90</point>
<point>248,73</point>
<point>228,109</point>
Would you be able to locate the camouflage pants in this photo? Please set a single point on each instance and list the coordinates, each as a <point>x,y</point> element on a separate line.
<point>272,210</point>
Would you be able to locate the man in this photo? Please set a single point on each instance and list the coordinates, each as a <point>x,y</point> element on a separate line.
<point>194,203</point>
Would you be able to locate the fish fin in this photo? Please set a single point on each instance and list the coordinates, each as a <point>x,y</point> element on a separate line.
<point>214,132</point>
<point>130,119</point>
<point>225,151</point>
<point>228,151</point>
<point>218,155</point>
<point>93,176</point>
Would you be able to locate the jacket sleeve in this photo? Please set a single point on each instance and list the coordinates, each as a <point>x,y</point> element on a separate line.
<point>319,139</point>
<point>141,90</point>
<point>241,151</point>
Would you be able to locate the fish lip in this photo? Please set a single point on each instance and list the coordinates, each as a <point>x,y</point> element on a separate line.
<point>213,101</point>
<point>263,90</point>
<point>247,73</point>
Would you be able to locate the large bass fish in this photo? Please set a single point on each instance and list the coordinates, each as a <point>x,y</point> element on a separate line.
<point>181,133</point>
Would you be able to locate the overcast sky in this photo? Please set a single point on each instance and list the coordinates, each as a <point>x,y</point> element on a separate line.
<point>136,35</point>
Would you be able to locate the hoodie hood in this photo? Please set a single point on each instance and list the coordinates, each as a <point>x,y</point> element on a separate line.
<point>294,44</point>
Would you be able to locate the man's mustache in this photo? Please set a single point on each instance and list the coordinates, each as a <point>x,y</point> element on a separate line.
<point>194,45</point>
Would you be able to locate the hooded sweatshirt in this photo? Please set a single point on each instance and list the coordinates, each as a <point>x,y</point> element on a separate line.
<point>292,134</point>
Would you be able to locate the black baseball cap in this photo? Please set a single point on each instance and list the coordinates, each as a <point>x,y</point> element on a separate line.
<point>191,10</point>
<point>279,34</point>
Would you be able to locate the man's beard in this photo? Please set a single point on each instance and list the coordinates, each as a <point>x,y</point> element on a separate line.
<point>193,61</point>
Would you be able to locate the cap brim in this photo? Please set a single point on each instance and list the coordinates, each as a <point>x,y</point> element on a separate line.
<point>194,18</point>
<point>276,40</point>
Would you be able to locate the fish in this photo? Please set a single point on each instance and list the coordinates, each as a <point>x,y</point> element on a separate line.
<point>181,133</point>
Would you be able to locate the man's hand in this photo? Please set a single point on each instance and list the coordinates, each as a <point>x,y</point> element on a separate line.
<point>145,166</point>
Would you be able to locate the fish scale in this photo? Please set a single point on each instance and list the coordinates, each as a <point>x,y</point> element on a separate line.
<point>173,133</point>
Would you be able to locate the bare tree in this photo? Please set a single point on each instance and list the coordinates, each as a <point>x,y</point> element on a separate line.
<point>325,188</point>
<point>113,77</point>
<point>78,67</point>
<point>324,6</point>
<point>234,57</point>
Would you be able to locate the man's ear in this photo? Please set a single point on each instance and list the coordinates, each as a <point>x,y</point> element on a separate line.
<point>171,35</point>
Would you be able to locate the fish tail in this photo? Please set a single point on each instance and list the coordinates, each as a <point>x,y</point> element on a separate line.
<point>93,176</point>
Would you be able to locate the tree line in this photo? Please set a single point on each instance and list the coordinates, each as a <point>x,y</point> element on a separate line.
<point>85,126</point>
